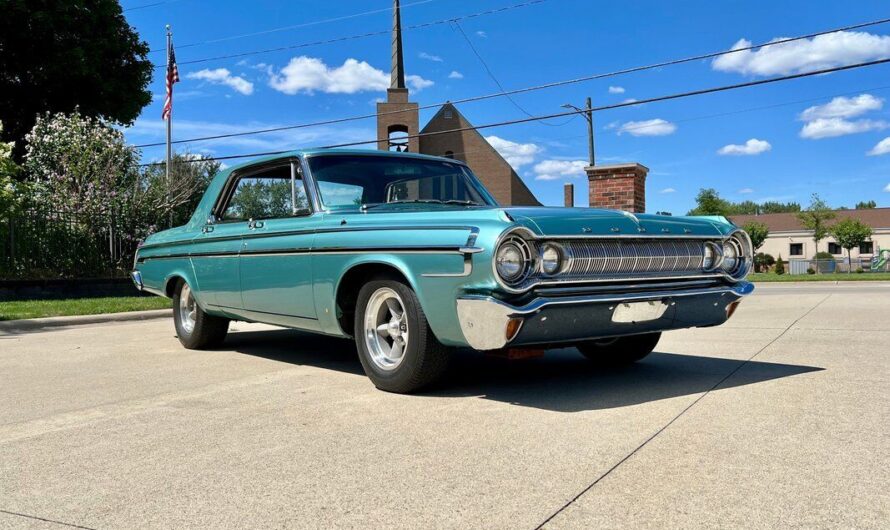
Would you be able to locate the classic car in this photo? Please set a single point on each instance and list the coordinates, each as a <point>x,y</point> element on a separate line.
<point>412,257</point>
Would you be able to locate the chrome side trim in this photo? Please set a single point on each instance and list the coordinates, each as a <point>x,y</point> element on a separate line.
<point>483,319</point>
<point>468,250</point>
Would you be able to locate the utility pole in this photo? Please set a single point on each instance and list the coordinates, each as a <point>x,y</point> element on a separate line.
<point>587,112</point>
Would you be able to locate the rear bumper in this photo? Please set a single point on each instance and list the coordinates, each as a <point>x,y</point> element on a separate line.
<point>136,276</point>
<point>484,320</point>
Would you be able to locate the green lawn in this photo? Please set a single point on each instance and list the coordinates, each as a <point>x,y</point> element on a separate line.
<point>82,306</point>
<point>827,277</point>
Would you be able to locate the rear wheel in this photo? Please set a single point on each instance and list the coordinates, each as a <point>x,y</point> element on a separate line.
<point>195,328</point>
<point>396,346</point>
<point>620,350</point>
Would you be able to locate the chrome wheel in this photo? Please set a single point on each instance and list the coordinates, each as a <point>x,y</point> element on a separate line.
<point>188,309</point>
<point>386,329</point>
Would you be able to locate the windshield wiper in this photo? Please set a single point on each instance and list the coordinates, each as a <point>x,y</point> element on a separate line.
<point>419,201</point>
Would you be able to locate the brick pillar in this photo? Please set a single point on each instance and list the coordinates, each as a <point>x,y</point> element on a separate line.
<point>618,186</point>
<point>398,114</point>
<point>569,195</point>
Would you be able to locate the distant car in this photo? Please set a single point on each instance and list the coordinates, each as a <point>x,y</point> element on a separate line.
<point>412,257</point>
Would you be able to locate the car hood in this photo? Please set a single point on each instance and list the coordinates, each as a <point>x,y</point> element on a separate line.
<point>592,221</point>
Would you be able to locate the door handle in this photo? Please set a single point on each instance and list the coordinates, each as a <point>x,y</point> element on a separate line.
<point>253,225</point>
<point>207,229</point>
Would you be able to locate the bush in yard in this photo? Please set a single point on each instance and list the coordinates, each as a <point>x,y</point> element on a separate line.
<point>824,262</point>
<point>780,265</point>
<point>860,270</point>
<point>762,262</point>
<point>811,270</point>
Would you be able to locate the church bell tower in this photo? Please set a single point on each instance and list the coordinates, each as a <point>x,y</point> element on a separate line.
<point>398,120</point>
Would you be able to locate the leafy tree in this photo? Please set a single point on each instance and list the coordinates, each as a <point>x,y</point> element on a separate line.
<point>709,202</point>
<point>780,265</point>
<point>850,233</point>
<point>62,55</point>
<point>12,193</point>
<point>758,233</point>
<point>779,207</point>
<point>190,174</point>
<point>866,205</point>
<point>816,218</point>
<point>762,262</point>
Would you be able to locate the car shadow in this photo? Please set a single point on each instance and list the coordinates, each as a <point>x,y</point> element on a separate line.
<point>561,381</point>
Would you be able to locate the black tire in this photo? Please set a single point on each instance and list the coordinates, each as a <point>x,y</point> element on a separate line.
<point>619,351</point>
<point>424,359</point>
<point>208,331</point>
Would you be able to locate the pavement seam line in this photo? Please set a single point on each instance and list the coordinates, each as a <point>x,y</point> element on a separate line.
<point>675,418</point>
<point>36,518</point>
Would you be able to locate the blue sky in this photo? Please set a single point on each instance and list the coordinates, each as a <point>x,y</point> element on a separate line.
<point>805,141</point>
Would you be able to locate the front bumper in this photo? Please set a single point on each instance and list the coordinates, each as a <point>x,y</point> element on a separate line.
<point>490,324</point>
<point>136,276</point>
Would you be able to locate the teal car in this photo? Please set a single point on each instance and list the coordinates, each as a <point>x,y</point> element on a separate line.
<point>411,256</point>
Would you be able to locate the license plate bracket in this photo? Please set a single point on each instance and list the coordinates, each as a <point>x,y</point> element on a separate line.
<point>631,312</point>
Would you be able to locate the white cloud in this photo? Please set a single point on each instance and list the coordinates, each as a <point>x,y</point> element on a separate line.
<point>655,127</point>
<point>559,169</point>
<point>830,127</point>
<point>455,75</point>
<point>430,57</point>
<point>482,34</point>
<point>745,191</point>
<point>668,190</point>
<point>222,76</point>
<point>309,74</point>
<point>843,107</point>
<point>751,147</point>
<point>516,154</point>
<point>882,148</point>
<point>616,90</point>
<point>417,83</point>
<point>887,188</point>
<point>823,51</point>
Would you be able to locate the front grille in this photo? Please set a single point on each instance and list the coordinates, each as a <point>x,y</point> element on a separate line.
<point>604,259</point>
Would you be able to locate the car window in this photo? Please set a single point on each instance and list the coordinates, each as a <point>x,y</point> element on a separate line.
<point>266,195</point>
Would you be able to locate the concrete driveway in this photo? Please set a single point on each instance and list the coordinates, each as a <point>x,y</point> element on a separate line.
<point>781,418</point>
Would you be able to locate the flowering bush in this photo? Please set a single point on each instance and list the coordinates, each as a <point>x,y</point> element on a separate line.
<point>12,193</point>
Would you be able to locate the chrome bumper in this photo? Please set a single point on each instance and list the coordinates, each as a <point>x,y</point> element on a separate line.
<point>136,276</point>
<point>484,320</point>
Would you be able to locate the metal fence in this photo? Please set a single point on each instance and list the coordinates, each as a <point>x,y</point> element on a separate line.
<point>803,266</point>
<point>47,244</point>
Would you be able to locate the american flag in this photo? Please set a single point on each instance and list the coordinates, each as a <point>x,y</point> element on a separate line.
<point>172,77</point>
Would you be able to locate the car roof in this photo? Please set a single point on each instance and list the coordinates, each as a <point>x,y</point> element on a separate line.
<point>327,152</point>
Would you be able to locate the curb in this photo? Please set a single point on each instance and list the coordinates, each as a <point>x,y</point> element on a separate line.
<point>34,324</point>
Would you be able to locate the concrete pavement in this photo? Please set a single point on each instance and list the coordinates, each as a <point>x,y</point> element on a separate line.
<point>778,418</point>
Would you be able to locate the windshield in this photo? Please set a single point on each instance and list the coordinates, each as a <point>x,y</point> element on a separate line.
<point>366,181</point>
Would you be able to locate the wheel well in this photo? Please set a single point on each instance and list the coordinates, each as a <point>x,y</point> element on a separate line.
<point>170,286</point>
<point>351,284</point>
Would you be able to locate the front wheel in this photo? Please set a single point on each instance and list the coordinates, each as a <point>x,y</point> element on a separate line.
<point>195,328</point>
<point>395,344</point>
<point>621,350</point>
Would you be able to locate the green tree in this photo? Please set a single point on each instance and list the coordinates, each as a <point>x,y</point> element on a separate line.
<point>758,232</point>
<point>709,202</point>
<point>62,55</point>
<point>866,205</point>
<point>780,265</point>
<point>850,233</point>
<point>190,174</point>
<point>13,194</point>
<point>816,218</point>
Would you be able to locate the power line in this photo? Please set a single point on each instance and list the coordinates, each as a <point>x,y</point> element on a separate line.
<point>657,99</point>
<point>555,84</point>
<point>153,4</point>
<point>286,28</point>
<point>488,70</point>
<point>358,36</point>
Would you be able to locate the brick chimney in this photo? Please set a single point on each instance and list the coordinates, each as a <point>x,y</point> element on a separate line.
<point>618,186</point>
<point>569,195</point>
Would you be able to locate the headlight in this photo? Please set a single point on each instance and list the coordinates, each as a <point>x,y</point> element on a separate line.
<point>730,256</point>
<point>710,255</point>
<point>551,259</point>
<point>510,261</point>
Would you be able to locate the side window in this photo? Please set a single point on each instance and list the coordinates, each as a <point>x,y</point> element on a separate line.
<point>266,195</point>
<point>796,249</point>
<point>834,248</point>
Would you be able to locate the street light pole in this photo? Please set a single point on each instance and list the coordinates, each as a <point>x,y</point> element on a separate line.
<point>587,112</point>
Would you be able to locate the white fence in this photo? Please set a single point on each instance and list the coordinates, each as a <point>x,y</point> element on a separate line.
<point>802,266</point>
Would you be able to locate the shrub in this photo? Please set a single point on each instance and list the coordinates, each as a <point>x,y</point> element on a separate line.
<point>859,270</point>
<point>762,262</point>
<point>811,270</point>
<point>780,265</point>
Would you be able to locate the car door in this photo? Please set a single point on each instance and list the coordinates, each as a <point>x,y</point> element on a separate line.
<point>275,268</point>
<point>215,261</point>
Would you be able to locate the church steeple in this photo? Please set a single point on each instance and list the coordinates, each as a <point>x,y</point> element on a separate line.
<point>397,77</point>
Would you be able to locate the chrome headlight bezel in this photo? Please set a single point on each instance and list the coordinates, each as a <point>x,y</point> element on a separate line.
<point>523,249</point>
<point>740,242</point>
<point>554,263</point>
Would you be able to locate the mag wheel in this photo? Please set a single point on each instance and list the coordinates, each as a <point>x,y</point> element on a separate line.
<point>396,346</point>
<point>619,350</point>
<point>195,328</point>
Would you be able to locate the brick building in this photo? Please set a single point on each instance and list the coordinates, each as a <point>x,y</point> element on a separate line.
<point>398,127</point>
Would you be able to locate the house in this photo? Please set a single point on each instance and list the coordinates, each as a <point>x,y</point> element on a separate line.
<point>788,238</point>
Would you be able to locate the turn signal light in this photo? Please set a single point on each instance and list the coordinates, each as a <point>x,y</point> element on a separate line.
<point>730,309</point>
<point>513,326</point>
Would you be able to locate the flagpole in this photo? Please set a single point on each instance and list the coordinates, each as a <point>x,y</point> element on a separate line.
<point>169,123</point>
